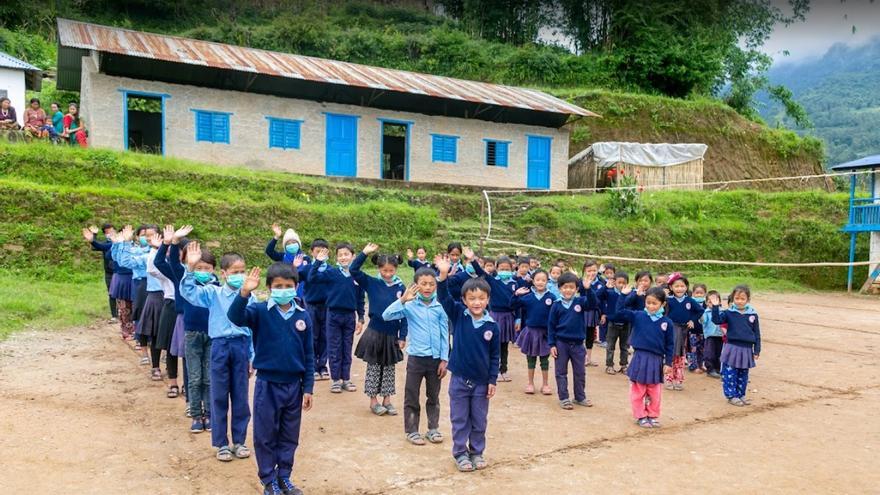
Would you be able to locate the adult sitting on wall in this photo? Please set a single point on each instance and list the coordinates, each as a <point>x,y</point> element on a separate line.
<point>8,118</point>
<point>74,127</point>
<point>35,121</point>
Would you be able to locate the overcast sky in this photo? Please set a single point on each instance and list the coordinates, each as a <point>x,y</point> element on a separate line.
<point>828,22</point>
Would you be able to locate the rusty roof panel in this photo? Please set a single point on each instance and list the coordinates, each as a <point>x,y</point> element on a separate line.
<point>87,36</point>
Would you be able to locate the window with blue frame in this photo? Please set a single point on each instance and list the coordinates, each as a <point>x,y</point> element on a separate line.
<point>444,148</point>
<point>284,133</point>
<point>496,153</point>
<point>212,127</point>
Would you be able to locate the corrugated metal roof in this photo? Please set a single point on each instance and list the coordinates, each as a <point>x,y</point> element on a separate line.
<point>195,52</point>
<point>10,62</point>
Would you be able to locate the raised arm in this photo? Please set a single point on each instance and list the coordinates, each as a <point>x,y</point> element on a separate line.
<point>320,272</point>
<point>239,313</point>
<point>197,295</point>
<point>621,312</point>
<point>443,295</point>
<point>359,260</point>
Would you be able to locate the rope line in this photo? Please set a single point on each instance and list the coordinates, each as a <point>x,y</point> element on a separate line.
<point>681,262</point>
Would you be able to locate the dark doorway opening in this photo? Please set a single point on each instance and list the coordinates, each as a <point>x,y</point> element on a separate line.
<point>394,150</point>
<point>144,124</point>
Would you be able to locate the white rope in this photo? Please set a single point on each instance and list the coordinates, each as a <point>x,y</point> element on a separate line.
<point>675,186</point>
<point>680,262</point>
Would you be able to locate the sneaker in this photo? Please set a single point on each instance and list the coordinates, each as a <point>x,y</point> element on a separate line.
<point>206,422</point>
<point>272,488</point>
<point>197,426</point>
<point>390,410</point>
<point>113,320</point>
<point>678,387</point>
<point>645,423</point>
<point>713,374</point>
<point>288,488</point>
<point>655,423</point>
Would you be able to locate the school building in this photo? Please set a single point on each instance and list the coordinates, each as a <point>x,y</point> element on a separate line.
<point>226,104</point>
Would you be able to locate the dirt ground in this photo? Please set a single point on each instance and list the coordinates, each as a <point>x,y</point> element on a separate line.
<point>79,415</point>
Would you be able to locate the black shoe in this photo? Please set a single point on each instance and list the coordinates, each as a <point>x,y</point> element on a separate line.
<point>288,488</point>
<point>272,488</point>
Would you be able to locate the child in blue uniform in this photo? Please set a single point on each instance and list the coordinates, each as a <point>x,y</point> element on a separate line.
<point>712,339</point>
<point>553,279</point>
<point>695,335</point>
<point>618,330</point>
<point>684,312</point>
<point>653,340</point>
<point>290,242</point>
<point>282,336</point>
<point>501,307</point>
<point>382,343</point>
<point>534,306</point>
<point>743,344</point>
<point>345,312</point>
<point>593,317</point>
<point>565,336</point>
<point>427,351</point>
<point>419,260</point>
<point>474,364</point>
<point>608,279</point>
<point>315,296</point>
<point>231,351</point>
<point>635,300</point>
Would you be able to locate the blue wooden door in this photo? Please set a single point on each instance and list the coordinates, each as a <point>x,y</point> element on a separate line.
<point>538,163</point>
<point>341,138</point>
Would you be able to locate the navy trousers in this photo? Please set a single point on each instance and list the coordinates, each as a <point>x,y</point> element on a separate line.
<point>277,418</point>
<point>340,336</point>
<point>318,314</point>
<point>229,383</point>
<point>575,354</point>
<point>469,415</point>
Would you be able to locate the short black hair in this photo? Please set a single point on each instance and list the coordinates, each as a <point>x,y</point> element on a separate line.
<point>622,275</point>
<point>523,261</point>
<point>741,288</point>
<point>424,272</point>
<point>229,259</point>
<point>35,100</point>
<point>540,271</point>
<point>698,286</point>
<point>320,243</point>
<point>642,274</point>
<point>489,260</point>
<point>107,226</point>
<point>474,285</point>
<point>281,270</point>
<point>609,266</point>
<point>657,293</point>
<point>454,245</point>
<point>588,263</point>
<point>344,245</point>
<point>504,259</point>
<point>568,278</point>
<point>381,260</point>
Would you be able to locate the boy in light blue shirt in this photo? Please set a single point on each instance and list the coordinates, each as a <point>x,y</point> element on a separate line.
<point>232,350</point>
<point>428,351</point>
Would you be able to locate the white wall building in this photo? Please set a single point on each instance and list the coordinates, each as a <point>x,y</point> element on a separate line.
<point>16,76</point>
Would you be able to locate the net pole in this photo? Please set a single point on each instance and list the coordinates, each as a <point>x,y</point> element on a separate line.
<point>482,224</point>
<point>488,214</point>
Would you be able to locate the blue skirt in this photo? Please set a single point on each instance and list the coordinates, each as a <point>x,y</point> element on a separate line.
<point>737,356</point>
<point>120,287</point>
<point>591,320</point>
<point>532,341</point>
<point>645,367</point>
<point>506,323</point>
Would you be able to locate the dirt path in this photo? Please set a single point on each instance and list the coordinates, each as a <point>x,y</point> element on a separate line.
<point>78,414</point>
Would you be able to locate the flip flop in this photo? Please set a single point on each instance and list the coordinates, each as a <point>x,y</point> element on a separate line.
<point>530,389</point>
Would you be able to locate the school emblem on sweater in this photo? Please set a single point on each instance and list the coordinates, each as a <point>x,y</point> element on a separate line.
<point>664,326</point>
<point>399,293</point>
<point>300,325</point>
<point>752,319</point>
<point>548,302</point>
<point>688,305</point>
<point>487,335</point>
<point>577,308</point>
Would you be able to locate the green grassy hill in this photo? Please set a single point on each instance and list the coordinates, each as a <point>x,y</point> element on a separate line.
<point>47,194</point>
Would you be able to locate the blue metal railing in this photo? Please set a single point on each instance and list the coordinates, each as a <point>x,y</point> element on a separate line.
<point>866,214</point>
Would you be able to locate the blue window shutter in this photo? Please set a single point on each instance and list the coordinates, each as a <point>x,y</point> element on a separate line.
<point>501,154</point>
<point>276,138</point>
<point>291,135</point>
<point>451,145</point>
<point>436,148</point>
<point>204,126</point>
<point>221,128</point>
<point>443,148</point>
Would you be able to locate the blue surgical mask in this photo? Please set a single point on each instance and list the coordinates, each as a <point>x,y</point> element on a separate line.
<point>292,248</point>
<point>505,275</point>
<point>469,269</point>
<point>203,277</point>
<point>235,280</point>
<point>428,298</point>
<point>655,316</point>
<point>143,240</point>
<point>283,296</point>
<point>700,300</point>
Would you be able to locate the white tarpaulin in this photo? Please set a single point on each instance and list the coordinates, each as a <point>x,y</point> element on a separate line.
<point>647,155</point>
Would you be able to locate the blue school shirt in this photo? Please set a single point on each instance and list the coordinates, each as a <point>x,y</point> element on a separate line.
<point>535,308</point>
<point>502,294</point>
<point>649,335</point>
<point>427,325</point>
<point>567,323</point>
<point>476,353</point>
<point>685,310</point>
<point>710,329</point>
<point>135,258</point>
<point>553,287</point>
<point>343,292</point>
<point>381,296</point>
<point>283,340</point>
<point>285,257</point>
<point>743,327</point>
<point>217,299</point>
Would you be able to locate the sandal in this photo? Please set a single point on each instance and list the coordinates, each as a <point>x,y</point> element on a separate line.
<point>325,375</point>
<point>746,401</point>
<point>678,387</point>
<point>585,403</point>
<point>224,454</point>
<point>736,401</point>
<point>610,370</point>
<point>156,375</point>
<point>390,409</point>
<point>645,423</point>
<point>545,390</point>
<point>622,370</point>
<point>566,404</point>
<point>479,462</point>
<point>464,463</point>
<point>591,364</point>
<point>655,423</point>
<point>415,439</point>
<point>241,451</point>
<point>530,389</point>
<point>145,361</point>
<point>504,378</point>
<point>349,386</point>
<point>336,388</point>
<point>434,436</point>
<point>378,409</point>
<point>173,392</point>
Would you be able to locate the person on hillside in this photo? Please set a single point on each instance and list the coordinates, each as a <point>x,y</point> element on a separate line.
<point>282,336</point>
<point>109,231</point>
<point>75,127</point>
<point>8,117</point>
<point>534,305</point>
<point>382,343</point>
<point>566,334</point>
<point>743,344</point>
<point>35,120</point>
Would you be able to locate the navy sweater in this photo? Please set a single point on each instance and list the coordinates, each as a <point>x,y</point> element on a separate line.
<point>455,281</point>
<point>634,302</point>
<point>686,310</point>
<point>381,296</point>
<point>502,295</point>
<point>343,293</point>
<point>567,324</point>
<point>647,335</point>
<point>476,351</point>
<point>743,330</point>
<point>110,266</point>
<point>283,349</point>
<point>314,293</point>
<point>535,312</point>
<point>599,290</point>
<point>415,264</point>
<point>194,318</point>
<point>612,296</point>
